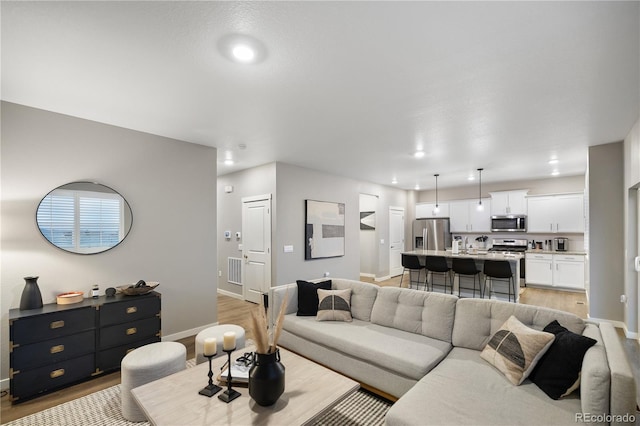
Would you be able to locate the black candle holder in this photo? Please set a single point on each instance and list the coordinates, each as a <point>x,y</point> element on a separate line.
<point>210,389</point>
<point>230,394</point>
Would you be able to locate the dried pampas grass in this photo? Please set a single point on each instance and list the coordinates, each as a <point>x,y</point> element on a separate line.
<point>267,339</point>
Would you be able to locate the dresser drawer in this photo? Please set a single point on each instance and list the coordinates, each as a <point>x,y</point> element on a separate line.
<point>32,382</point>
<point>124,334</point>
<point>53,325</point>
<point>110,359</point>
<point>131,309</point>
<point>53,350</point>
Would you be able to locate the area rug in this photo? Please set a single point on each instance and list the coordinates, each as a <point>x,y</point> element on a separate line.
<point>103,408</point>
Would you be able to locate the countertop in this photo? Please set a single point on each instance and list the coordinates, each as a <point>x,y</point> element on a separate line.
<point>473,255</point>
<point>568,252</point>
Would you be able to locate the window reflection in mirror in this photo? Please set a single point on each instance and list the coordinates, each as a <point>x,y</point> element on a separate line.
<point>84,217</point>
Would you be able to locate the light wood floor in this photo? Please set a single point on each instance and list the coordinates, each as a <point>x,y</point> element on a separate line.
<point>234,311</point>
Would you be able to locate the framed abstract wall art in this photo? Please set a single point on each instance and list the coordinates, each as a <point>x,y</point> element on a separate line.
<point>324,229</point>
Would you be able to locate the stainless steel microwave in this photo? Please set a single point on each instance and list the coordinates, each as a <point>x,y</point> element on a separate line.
<point>510,223</point>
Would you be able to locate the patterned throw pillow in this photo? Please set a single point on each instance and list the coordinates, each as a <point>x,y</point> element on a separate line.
<point>515,349</point>
<point>335,305</point>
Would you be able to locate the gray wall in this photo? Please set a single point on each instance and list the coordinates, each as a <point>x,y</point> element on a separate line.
<point>256,181</point>
<point>169,184</point>
<point>606,231</point>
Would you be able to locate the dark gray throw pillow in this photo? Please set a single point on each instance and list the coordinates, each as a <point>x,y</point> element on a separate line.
<point>558,372</point>
<point>308,297</point>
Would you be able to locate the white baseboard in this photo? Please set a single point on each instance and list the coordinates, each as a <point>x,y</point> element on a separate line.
<point>364,274</point>
<point>386,277</point>
<point>186,333</point>
<point>231,294</point>
<point>616,324</point>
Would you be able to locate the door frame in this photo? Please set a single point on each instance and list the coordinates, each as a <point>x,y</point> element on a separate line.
<point>401,209</point>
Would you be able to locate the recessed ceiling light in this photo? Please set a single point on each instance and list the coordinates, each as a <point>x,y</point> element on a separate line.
<point>228,162</point>
<point>471,177</point>
<point>555,173</point>
<point>394,181</point>
<point>419,154</point>
<point>417,187</point>
<point>553,161</point>
<point>243,49</point>
<point>243,53</point>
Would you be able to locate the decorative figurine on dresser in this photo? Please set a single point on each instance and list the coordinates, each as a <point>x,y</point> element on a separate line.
<point>58,345</point>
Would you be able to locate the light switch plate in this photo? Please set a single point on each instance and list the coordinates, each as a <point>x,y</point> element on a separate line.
<point>288,249</point>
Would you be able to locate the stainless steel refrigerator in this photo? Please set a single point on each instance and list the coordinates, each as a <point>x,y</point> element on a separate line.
<point>431,234</point>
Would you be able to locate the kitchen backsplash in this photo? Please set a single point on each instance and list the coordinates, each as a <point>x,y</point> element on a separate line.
<point>576,241</point>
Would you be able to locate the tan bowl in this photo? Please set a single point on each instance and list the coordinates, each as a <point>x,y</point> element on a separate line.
<point>69,298</point>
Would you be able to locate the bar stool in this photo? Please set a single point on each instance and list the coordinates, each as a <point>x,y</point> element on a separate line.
<point>499,270</point>
<point>464,266</point>
<point>438,265</point>
<point>411,262</point>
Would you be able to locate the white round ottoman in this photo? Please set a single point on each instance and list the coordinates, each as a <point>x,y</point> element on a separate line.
<point>146,364</point>
<point>217,331</point>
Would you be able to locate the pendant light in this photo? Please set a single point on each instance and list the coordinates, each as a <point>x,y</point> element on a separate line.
<point>437,209</point>
<point>480,206</point>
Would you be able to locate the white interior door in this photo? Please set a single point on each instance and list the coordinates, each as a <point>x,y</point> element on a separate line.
<point>396,240</point>
<point>256,247</point>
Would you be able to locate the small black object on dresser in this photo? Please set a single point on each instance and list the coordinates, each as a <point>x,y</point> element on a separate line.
<point>58,345</point>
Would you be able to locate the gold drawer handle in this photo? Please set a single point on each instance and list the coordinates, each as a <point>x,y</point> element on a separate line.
<point>131,331</point>
<point>57,373</point>
<point>132,310</point>
<point>56,324</point>
<point>56,349</point>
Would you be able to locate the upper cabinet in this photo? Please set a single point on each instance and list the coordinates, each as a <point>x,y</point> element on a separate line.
<point>509,202</point>
<point>465,217</point>
<point>425,210</point>
<point>556,213</point>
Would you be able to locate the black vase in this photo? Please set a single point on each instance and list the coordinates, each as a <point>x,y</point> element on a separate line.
<point>266,378</point>
<point>31,297</point>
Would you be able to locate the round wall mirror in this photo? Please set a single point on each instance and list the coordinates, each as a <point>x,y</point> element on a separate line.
<point>84,217</point>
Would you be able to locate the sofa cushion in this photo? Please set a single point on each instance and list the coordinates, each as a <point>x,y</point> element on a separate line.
<point>515,349</point>
<point>478,319</point>
<point>427,313</point>
<point>408,354</point>
<point>335,305</point>
<point>558,371</point>
<point>465,390</point>
<point>363,295</point>
<point>308,296</point>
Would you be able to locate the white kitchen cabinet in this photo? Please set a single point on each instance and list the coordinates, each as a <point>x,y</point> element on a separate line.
<point>465,217</point>
<point>425,210</point>
<point>539,269</point>
<point>568,271</point>
<point>555,270</point>
<point>509,202</point>
<point>556,213</point>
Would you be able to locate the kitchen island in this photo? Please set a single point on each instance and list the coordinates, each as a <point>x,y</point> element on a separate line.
<point>479,256</point>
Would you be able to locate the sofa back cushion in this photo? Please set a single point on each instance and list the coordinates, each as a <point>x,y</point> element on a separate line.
<point>478,319</point>
<point>420,312</point>
<point>362,296</point>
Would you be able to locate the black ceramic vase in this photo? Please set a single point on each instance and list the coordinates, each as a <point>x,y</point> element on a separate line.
<point>266,378</point>
<point>31,297</point>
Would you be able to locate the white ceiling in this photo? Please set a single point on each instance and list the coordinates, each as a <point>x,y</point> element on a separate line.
<point>350,88</point>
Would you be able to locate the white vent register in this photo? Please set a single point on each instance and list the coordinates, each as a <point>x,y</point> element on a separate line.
<point>234,270</point>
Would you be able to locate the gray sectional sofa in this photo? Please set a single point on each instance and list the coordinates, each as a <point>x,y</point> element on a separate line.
<point>424,348</point>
